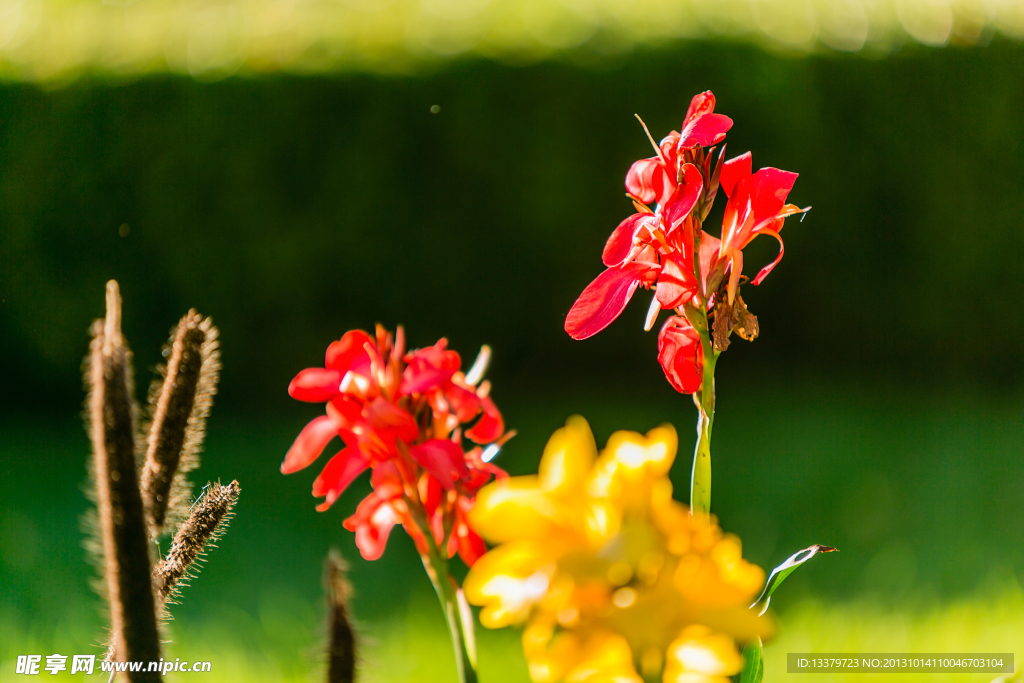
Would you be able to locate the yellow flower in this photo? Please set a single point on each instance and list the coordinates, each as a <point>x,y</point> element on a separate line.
<point>615,580</point>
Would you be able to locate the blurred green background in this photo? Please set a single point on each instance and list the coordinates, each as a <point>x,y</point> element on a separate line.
<point>880,411</point>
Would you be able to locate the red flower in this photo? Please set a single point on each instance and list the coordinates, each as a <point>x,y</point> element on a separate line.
<point>403,416</point>
<point>757,206</point>
<point>681,355</point>
<point>656,178</point>
<point>655,248</point>
<point>649,249</point>
<point>702,128</point>
<point>652,248</point>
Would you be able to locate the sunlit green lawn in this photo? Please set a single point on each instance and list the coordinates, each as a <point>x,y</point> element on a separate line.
<point>281,642</point>
<point>921,493</point>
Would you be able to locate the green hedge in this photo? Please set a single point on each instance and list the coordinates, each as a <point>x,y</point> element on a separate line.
<point>291,209</point>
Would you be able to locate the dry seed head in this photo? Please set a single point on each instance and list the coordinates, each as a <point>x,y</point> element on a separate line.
<point>179,401</point>
<point>204,526</point>
<point>126,561</point>
<point>341,655</point>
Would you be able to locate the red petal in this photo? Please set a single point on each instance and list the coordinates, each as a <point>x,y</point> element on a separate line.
<point>768,191</point>
<point>344,467</point>
<point>710,246</point>
<point>463,401</point>
<point>767,269</point>
<point>648,181</point>
<point>705,131</point>
<point>429,368</point>
<point>701,104</point>
<point>440,458</point>
<point>604,299</point>
<point>664,184</point>
<point>315,385</point>
<point>437,526</point>
<point>346,412</point>
<point>639,179</point>
<point>418,381</point>
<point>342,353</point>
<point>309,444</point>
<point>390,420</point>
<point>668,146</point>
<point>680,355</point>
<point>430,493</point>
<point>471,546</point>
<point>387,480</point>
<point>490,426</point>
<point>437,355</point>
<point>372,522</point>
<point>677,283</point>
<point>620,243</point>
<point>480,472</point>
<point>684,198</point>
<point>733,171</point>
<point>347,416</point>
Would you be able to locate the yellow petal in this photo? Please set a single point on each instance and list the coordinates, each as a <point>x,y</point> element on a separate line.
<point>549,661</point>
<point>607,659</point>
<point>654,452</point>
<point>568,457</point>
<point>663,442</point>
<point>631,460</point>
<point>700,654</point>
<point>508,581</point>
<point>602,521</point>
<point>513,508</point>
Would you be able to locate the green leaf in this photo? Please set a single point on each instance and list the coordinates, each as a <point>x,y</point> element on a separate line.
<point>780,573</point>
<point>753,663</point>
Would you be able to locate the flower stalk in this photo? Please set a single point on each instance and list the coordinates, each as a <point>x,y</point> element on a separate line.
<point>700,478</point>
<point>704,397</point>
<point>461,628</point>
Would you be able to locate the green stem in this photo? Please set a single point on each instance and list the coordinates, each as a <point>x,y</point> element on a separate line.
<point>456,611</point>
<point>700,480</point>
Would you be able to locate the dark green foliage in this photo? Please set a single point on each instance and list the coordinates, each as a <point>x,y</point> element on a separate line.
<point>299,208</point>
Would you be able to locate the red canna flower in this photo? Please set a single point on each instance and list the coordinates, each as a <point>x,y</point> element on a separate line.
<point>403,416</point>
<point>658,248</point>
<point>656,178</point>
<point>757,206</point>
<point>649,249</point>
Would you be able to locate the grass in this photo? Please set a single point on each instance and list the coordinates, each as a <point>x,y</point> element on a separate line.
<point>280,642</point>
<point>920,492</point>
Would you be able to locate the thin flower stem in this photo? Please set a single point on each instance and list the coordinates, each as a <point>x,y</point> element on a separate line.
<point>700,478</point>
<point>461,629</point>
<point>460,624</point>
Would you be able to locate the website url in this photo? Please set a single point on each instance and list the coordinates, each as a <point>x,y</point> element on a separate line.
<point>163,667</point>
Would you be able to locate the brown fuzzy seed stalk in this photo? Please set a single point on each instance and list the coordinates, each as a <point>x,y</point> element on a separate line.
<point>179,406</point>
<point>341,655</point>
<point>204,526</point>
<point>111,409</point>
